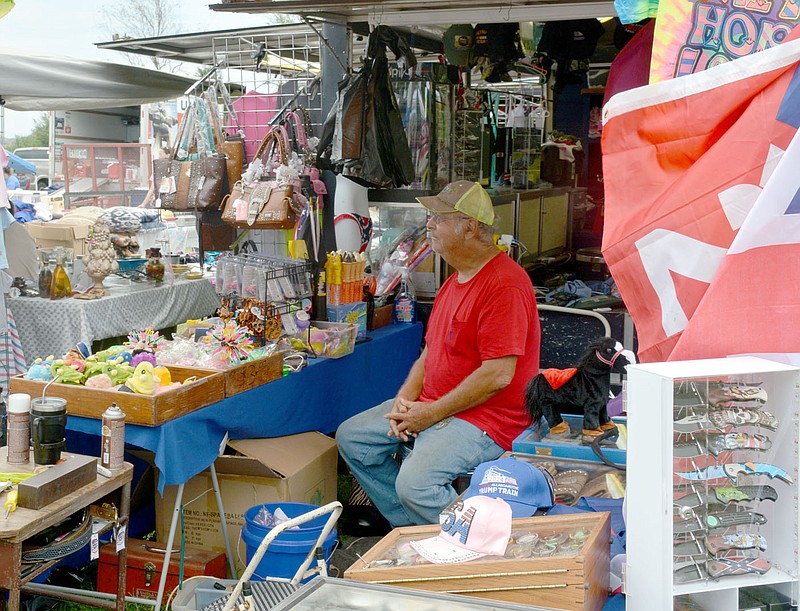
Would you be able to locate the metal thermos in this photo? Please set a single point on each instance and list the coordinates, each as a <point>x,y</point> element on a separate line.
<point>113,442</point>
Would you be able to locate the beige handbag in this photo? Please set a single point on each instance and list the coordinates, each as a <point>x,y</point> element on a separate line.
<point>263,204</point>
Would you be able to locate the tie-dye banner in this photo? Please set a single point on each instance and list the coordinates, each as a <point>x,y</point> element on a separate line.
<point>693,35</point>
<point>5,7</point>
<point>634,11</point>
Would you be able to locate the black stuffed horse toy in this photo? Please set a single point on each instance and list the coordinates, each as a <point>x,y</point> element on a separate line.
<point>582,389</point>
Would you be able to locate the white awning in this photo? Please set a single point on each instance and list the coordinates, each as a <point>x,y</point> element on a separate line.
<point>30,82</point>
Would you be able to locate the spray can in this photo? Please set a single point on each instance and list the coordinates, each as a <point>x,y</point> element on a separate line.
<point>19,428</point>
<point>113,440</point>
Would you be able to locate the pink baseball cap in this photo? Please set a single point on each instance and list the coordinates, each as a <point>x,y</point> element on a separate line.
<point>475,527</point>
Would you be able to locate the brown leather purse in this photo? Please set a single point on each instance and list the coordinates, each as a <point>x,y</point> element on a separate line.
<point>189,185</point>
<point>264,204</point>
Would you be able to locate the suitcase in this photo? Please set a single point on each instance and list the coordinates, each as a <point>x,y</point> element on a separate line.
<point>144,567</point>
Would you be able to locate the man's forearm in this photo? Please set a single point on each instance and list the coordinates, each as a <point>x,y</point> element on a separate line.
<point>483,383</point>
<point>412,387</point>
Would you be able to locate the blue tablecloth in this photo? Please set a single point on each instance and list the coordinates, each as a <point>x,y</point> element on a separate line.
<point>318,398</point>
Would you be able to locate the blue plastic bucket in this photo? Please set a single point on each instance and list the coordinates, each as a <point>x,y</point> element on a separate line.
<point>288,550</point>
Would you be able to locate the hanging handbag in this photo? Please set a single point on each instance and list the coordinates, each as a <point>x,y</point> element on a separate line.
<point>189,185</point>
<point>196,184</point>
<point>265,204</point>
<point>229,145</point>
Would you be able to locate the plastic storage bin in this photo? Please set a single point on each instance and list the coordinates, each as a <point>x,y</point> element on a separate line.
<point>332,340</point>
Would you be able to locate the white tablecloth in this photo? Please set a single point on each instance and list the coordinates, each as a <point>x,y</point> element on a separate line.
<point>53,327</point>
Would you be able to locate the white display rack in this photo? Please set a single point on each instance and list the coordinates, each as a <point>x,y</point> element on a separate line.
<point>660,398</point>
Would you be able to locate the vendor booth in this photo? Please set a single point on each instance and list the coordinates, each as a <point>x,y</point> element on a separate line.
<point>291,255</point>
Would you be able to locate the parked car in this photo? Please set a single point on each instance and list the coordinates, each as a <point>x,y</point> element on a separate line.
<point>40,157</point>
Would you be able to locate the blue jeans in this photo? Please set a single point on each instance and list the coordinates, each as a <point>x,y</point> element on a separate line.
<point>415,491</point>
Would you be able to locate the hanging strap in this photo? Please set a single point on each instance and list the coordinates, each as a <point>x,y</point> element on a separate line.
<point>227,104</point>
<point>213,113</point>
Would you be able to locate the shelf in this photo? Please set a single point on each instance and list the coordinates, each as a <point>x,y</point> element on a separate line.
<point>694,428</point>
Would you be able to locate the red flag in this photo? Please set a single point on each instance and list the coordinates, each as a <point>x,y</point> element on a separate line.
<point>684,162</point>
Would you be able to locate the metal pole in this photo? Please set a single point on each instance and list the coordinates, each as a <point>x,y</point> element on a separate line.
<point>332,65</point>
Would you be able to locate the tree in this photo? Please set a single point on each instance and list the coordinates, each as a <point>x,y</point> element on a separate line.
<point>38,136</point>
<point>144,19</point>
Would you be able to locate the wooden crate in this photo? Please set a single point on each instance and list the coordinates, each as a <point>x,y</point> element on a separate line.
<point>139,409</point>
<point>576,580</point>
<point>247,375</point>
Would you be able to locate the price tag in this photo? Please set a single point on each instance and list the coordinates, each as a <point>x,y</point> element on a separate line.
<point>167,185</point>
<point>120,537</point>
<point>158,202</point>
<point>95,547</point>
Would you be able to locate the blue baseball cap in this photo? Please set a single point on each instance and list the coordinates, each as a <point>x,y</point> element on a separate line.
<point>519,483</point>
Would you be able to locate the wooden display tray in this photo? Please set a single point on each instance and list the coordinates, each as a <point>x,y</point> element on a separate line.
<point>146,410</point>
<point>247,375</point>
<point>575,581</point>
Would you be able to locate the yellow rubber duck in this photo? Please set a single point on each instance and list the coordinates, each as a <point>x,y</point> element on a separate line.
<point>142,382</point>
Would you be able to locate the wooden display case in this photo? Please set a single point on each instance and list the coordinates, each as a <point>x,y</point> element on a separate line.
<point>246,376</point>
<point>148,410</point>
<point>713,453</point>
<point>555,561</point>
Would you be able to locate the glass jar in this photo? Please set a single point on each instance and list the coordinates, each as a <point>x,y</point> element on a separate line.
<point>155,266</point>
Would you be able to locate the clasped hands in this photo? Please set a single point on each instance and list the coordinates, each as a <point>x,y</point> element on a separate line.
<point>409,418</point>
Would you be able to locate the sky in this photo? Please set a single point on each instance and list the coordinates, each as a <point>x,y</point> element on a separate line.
<point>70,28</point>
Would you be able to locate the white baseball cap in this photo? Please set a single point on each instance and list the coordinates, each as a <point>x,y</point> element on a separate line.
<point>475,527</point>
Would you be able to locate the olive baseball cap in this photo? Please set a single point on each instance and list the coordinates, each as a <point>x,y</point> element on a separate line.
<point>458,41</point>
<point>462,196</point>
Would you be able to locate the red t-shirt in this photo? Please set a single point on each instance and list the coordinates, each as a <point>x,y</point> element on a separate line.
<point>491,316</point>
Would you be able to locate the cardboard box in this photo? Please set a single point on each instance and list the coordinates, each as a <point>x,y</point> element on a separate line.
<point>69,235</point>
<point>354,313</point>
<point>297,468</point>
<point>574,579</point>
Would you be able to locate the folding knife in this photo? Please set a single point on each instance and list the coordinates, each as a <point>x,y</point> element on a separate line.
<point>732,470</point>
<point>739,518</point>
<point>738,416</point>
<point>737,393</point>
<point>726,495</point>
<point>738,441</point>
<point>741,565</point>
<point>721,543</point>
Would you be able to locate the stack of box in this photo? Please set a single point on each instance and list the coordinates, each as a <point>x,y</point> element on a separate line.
<point>345,274</point>
<point>297,468</point>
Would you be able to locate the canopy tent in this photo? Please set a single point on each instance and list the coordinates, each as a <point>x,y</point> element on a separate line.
<point>19,165</point>
<point>62,83</point>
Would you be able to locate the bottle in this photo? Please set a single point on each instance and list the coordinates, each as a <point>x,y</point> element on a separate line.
<point>19,428</point>
<point>113,440</point>
<point>155,266</point>
<point>45,275</point>
<point>405,302</point>
<point>319,298</point>
<point>60,286</point>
